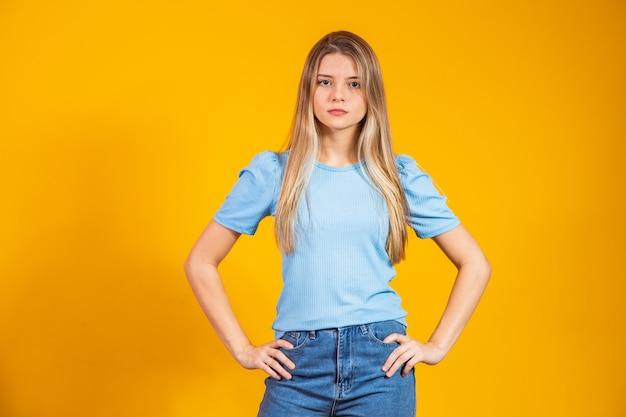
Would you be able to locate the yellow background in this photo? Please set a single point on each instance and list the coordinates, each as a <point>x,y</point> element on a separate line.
<point>123,125</point>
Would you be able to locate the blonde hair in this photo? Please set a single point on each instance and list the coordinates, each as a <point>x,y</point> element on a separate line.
<point>374,145</point>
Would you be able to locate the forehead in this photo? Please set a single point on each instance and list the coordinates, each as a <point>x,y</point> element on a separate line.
<point>338,65</point>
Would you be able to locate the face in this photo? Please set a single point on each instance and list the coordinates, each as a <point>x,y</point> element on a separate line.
<point>339,100</point>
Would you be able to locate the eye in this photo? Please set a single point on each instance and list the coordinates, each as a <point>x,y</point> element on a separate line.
<point>354,84</point>
<point>323,82</point>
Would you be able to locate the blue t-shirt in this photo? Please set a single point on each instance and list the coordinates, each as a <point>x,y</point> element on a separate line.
<point>339,273</point>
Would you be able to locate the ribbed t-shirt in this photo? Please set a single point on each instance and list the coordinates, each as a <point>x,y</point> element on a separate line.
<point>339,273</point>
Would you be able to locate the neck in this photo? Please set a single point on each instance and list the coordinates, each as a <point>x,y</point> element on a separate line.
<point>338,150</point>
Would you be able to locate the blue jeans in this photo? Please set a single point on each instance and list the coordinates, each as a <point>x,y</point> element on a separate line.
<point>339,373</point>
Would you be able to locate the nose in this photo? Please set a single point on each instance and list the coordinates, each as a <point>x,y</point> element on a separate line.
<point>338,93</point>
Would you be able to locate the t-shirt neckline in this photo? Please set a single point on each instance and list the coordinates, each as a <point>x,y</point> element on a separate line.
<point>338,169</point>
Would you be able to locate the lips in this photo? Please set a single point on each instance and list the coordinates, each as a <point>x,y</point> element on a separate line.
<point>337,112</point>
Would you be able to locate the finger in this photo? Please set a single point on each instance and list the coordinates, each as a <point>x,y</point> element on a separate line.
<point>394,337</point>
<point>282,343</point>
<point>278,354</point>
<point>270,371</point>
<point>394,368</point>
<point>284,359</point>
<point>391,359</point>
<point>409,359</point>
<point>396,359</point>
<point>408,366</point>
<point>275,366</point>
<point>393,356</point>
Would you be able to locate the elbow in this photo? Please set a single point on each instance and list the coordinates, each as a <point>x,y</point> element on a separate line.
<point>479,269</point>
<point>198,268</point>
<point>485,271</point>
<point>187,266</point>
<point>190,266</point>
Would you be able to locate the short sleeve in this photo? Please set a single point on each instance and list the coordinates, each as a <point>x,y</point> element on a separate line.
<point>429,213</point>
<point>253,197</point>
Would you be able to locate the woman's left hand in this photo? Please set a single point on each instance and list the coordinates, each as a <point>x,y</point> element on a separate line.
<point>409,353</point>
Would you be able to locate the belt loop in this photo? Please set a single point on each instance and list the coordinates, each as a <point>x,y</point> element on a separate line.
<point>312,335</point>
<point>364,328</point>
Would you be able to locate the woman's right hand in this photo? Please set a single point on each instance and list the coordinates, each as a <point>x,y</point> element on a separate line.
<point>268,358</point>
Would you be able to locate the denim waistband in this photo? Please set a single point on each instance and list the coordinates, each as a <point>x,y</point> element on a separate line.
<point>363,328</point>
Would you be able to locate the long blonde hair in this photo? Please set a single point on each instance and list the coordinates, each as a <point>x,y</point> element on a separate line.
<point>374,145</point>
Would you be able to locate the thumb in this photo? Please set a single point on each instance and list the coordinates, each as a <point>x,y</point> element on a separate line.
<point>393,337</point>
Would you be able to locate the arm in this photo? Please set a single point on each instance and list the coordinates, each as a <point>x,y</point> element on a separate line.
<point>473,272</point>
<point>201,268</point>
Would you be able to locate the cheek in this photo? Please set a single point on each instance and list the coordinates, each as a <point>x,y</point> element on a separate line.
<point>363,105</point>
<point>317,103</point>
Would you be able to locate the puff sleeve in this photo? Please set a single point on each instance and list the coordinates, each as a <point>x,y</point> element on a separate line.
<point>253,196</point>
<point>429,213</point>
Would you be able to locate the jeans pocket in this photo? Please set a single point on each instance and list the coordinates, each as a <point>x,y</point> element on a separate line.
<point>380,330</point>
<point>297,339</point>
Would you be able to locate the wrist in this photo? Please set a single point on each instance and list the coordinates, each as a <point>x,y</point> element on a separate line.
<point>241,352</point>
<point>438,351</point>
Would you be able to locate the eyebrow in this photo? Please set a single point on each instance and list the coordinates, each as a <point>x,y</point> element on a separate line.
<point>354,77</point>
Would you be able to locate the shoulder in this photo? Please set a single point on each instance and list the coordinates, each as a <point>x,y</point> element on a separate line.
<point>407,166</point>
<point>266,164</point>
<point>264,159</point>
<point>413,177</point>
<point>270,159</point>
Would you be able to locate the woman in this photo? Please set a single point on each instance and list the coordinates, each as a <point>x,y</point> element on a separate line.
<point>342,201</point>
